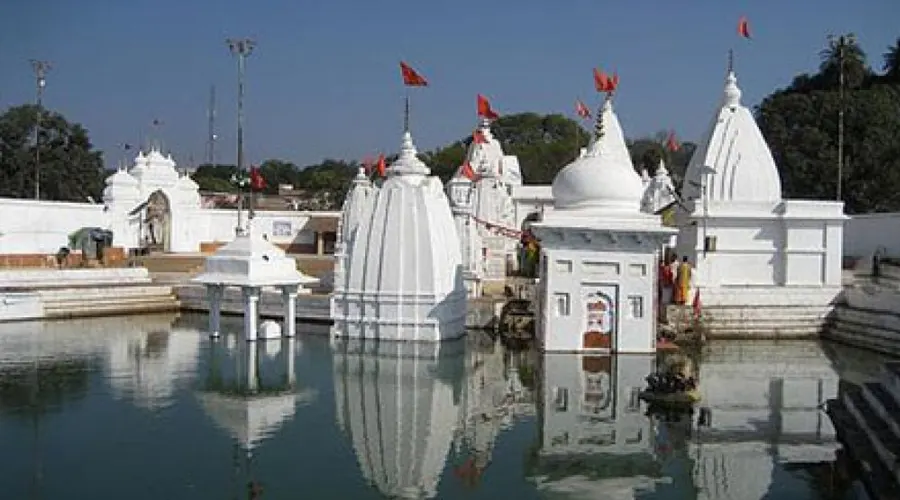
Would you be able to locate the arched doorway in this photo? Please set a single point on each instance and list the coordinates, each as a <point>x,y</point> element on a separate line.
<point>157,228</point>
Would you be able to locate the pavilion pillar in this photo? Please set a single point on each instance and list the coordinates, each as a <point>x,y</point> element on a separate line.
<point>289,293</point>
<point>214,296</point>
<point>251,312</point>
<point>320,243</point>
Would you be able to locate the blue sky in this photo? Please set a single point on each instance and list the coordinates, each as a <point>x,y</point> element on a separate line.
<point>324,80</point>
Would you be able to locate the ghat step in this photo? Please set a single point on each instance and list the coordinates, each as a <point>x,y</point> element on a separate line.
<point>879,480</point>
<point>881,438</point>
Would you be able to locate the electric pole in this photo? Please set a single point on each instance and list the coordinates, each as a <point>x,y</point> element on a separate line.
<point>241,47</point>
<point>211,133</point>
<point>40,72</point>
<point>840,43</point>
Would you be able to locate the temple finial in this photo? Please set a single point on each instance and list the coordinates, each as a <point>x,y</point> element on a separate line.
<point>730,60</point>
<point>406,114</point>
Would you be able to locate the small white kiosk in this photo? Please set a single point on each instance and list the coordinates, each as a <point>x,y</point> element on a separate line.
<point>252,263</point>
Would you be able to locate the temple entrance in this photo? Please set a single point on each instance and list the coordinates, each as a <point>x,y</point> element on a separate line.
<point>156,231</point>
<point>599,316</point>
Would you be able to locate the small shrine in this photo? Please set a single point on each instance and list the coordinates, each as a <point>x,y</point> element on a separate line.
<point>752,249</point>
<point>252,264</point>
<point>400,274</point>
<point>599,252</point>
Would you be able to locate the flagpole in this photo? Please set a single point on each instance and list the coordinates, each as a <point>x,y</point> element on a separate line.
<point>406,113</point>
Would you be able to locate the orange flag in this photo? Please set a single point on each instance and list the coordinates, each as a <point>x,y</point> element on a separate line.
<point>410,77</point>
<point>381,167</point>
<point>605,83</point>
<point>485,110</point>
<point>582,110</point>
<point>744,27</point>
<point>672,143</point>
<point>468,172</point>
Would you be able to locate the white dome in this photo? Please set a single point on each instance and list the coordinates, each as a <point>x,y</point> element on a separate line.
<point>185,183</point>
<point>121,186</point>
<point>604,176</point>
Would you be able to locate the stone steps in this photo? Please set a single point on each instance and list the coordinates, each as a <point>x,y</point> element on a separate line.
<point>884,404</point>
<point>878,479</point>
<point>104,300</point>
<point>881,439</point>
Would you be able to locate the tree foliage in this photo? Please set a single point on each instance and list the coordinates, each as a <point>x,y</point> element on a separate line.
<point>71,170</point>
<point>800,123</point>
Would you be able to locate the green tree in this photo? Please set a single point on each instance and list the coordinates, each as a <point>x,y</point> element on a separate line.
<point>70,168</point>
<point>543,144</point>
<point>856,70</point>
<point>800,124</point>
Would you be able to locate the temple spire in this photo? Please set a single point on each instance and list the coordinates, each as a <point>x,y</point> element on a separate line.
<point>730,61</point>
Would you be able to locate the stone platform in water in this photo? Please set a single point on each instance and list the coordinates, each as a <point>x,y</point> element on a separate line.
<point>65,293</point>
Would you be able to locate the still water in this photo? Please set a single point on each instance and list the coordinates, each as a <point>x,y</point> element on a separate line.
<point>149,408</point>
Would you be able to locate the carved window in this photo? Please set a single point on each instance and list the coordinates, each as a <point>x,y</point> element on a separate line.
<point>563,307</point>
<point>636,306</point>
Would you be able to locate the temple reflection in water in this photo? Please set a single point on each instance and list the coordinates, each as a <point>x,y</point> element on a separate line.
<point>421,420</point>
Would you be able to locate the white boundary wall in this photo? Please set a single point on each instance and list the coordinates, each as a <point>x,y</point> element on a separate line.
<point>864,233</point>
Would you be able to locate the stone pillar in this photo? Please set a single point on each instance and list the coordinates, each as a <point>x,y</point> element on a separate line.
<point>289,293</point>
<point>320,243</point>
<point>251,312</point>
<point>214,295</point>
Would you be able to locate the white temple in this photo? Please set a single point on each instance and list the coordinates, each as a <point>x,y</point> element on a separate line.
<point>399,273</point>
<point>751,248</point>
<point>482,202</point>
<point>599,252</point>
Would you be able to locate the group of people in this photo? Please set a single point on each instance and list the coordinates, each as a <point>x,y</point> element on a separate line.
<point>674,280</point>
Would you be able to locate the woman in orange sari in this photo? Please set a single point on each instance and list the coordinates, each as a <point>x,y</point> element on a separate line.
<point>683,282</point>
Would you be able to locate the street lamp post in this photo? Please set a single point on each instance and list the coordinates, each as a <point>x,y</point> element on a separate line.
<point>40,72</point>
<point>241,47</point>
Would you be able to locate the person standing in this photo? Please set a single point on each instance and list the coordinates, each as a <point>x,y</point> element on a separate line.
<point>683,281</point>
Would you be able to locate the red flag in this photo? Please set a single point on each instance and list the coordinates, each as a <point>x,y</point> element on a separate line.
<point>484,109</point>
<point>696,304</point>
<point>582,110</point>
<point>257,181</point>
<point>744,27</point>
<point>605,83</point>
<point>410,77</point>
<point>381,167</point>
<point>601,81</point>
<point>468,172</point>
<point>671,143</point>
<point>478,137</point>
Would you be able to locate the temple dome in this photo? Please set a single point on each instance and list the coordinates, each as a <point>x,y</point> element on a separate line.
<point>735,154</point>
<point>602,178</point>
<point>121,186</point>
